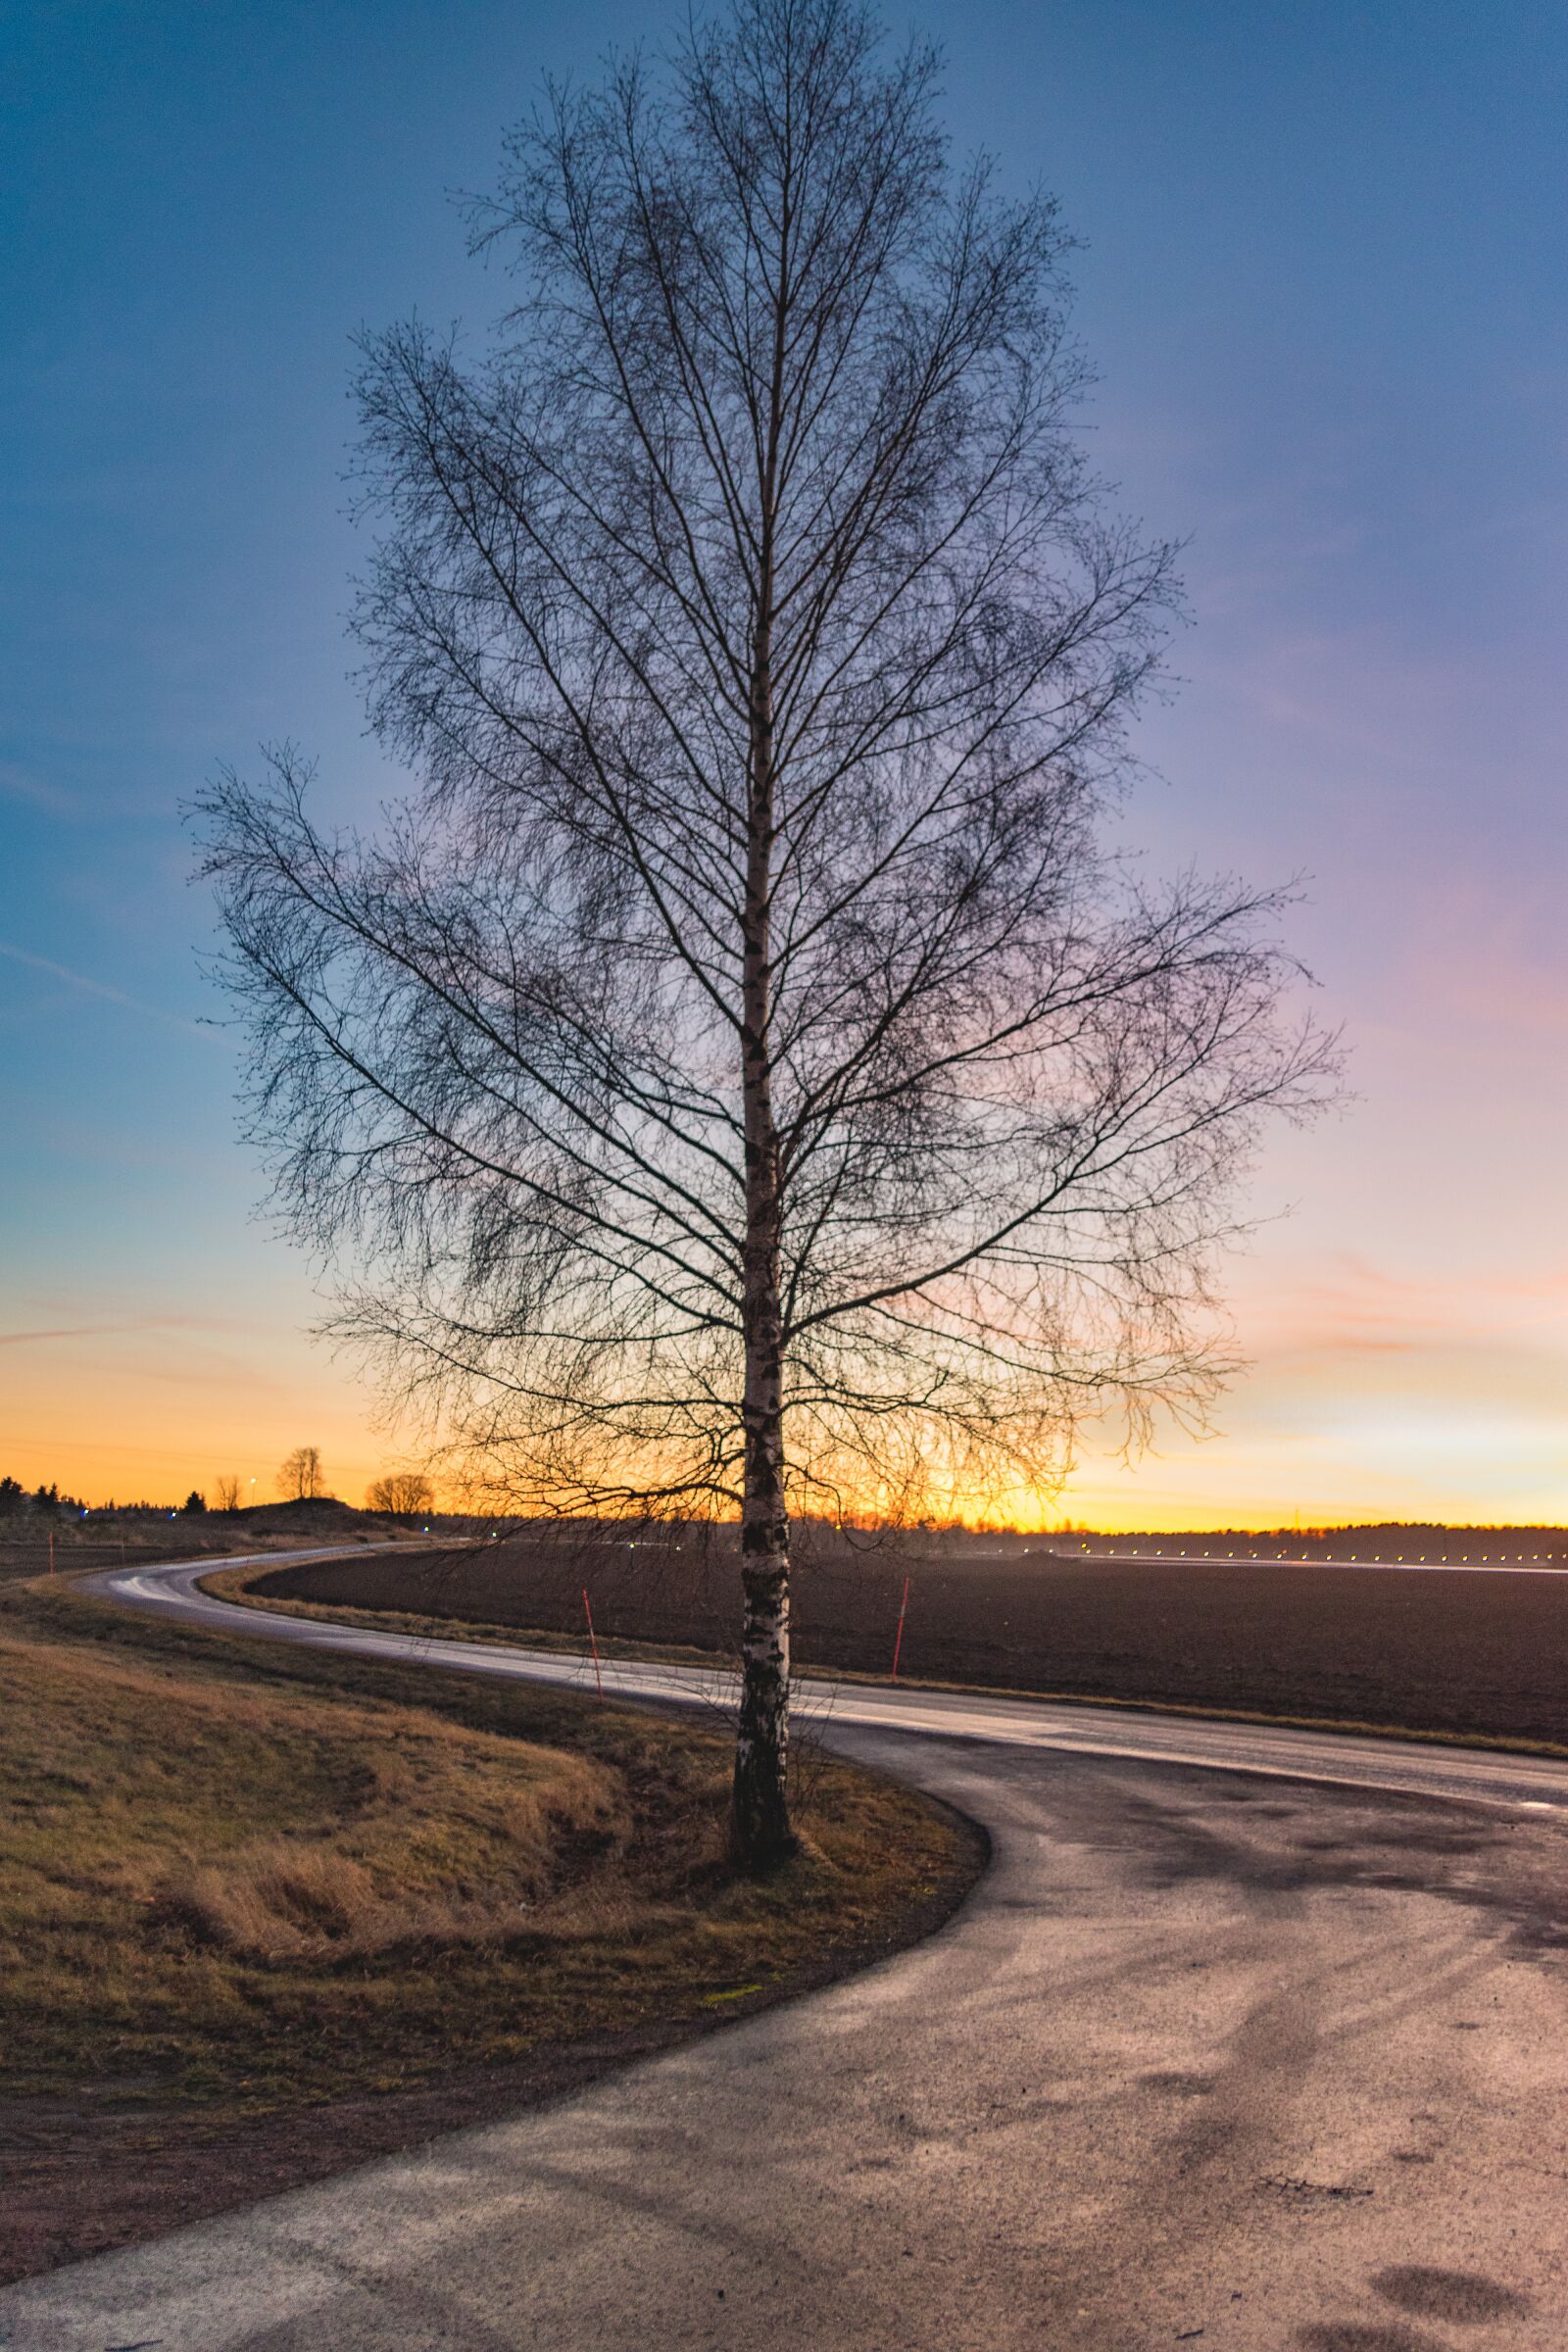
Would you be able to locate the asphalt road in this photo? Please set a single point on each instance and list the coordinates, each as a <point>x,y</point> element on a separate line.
<point>1248,2039</point>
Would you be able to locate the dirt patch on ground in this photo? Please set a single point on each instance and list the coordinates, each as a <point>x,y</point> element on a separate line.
<point>1479,1654</point>
<point>263,1915</point>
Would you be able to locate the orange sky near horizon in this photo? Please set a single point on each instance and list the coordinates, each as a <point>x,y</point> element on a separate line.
<point>1391,1375</point>
<point>1361,1403</point>
<point>161,1341</point>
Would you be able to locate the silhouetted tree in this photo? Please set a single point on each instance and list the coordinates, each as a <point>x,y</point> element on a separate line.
<point>739,1083</point>
<point>12,1496</point>
<point>194,1504</point>
<point>227,1492</point>
<point>299,1478</point>
<point>402,1494</point>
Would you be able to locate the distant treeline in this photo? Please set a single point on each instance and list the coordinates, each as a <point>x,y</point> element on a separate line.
<point>1301,1542</point>
<point>1369,1528</point>
<point>15,1497</point>
<point>1410,1537</point>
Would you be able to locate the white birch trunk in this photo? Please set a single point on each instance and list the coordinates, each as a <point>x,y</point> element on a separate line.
<point>761,1821</point>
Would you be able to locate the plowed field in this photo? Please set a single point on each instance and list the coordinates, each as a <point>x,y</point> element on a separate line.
<point>1480,1653</point>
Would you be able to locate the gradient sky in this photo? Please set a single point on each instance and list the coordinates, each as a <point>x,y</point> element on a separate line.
<point>1323,282</point>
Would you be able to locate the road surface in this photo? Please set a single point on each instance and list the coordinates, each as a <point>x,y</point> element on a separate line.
<point>1249,2039</point>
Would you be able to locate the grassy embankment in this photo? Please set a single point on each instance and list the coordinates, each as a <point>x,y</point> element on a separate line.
<point>239,1884</point>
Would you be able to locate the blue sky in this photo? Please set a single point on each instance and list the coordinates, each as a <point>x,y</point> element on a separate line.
<point>1322,280</point>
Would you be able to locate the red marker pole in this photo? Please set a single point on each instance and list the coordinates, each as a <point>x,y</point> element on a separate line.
<point>898,1638</point>
<point>593,1644</point>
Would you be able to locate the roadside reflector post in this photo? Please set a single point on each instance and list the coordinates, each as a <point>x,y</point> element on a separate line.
<point>593,1642</point>
<point>898,1638</point>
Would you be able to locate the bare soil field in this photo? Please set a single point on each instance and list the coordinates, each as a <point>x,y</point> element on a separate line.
<point>1475,1655</point>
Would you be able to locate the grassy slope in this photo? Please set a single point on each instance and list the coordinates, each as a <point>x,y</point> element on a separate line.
<point>237,1881</point>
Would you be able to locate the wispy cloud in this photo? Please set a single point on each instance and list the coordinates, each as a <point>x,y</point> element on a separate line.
<point>110,996</point>
<point>69,1331</point>
<point>126,1325</point>
<point>33,792</point>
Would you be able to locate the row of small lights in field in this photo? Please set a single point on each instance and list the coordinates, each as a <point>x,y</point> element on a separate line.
<point>1327,1560</point>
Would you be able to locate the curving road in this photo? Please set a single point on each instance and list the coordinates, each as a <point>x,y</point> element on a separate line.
<point>1249,2039</point>
<point>1418,1768</point>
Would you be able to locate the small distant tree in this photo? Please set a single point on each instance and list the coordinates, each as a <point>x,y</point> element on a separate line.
<point>402,1494</point>
<point>194,1504</point>
<point>227,1492</point>
<point>47,1498</point>
<point>11,1496</point>
<point>300,1478</point>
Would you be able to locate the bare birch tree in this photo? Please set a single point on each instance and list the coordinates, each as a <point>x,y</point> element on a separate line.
<point>400,1495</point>
<point>300,1477</point>
<point>736,1082</point>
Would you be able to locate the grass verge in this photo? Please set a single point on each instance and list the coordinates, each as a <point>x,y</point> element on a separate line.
<point>264,1912</point>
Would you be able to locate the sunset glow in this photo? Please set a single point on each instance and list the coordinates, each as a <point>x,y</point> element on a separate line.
<point>1330,333</point>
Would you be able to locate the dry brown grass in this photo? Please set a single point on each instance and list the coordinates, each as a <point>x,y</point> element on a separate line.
<point>236,1880</point>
